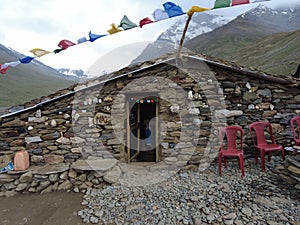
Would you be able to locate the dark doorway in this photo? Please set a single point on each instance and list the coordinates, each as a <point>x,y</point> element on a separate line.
<point>142,129</point>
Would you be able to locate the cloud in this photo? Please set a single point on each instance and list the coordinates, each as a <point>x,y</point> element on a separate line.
<point>2,35</point>
<point>35,23</point>
<point>279,3</point>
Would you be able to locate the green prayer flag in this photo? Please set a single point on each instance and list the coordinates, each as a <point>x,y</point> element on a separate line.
<point>126,24</point>
<point>222,3</point>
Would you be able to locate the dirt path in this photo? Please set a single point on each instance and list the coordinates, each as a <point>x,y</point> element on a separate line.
<point>55,208</point>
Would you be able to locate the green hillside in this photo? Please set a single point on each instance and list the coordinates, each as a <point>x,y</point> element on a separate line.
<point>27,81</point>
<point>263,39</point>
<point>275,54</point>
<point>251,46</point>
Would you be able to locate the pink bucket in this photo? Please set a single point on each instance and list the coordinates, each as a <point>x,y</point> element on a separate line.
<point>21,160</point>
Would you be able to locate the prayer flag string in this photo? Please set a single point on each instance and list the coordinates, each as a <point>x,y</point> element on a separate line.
<point>169,10</point>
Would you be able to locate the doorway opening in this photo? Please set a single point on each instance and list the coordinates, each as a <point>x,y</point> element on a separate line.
<point>142,129</point>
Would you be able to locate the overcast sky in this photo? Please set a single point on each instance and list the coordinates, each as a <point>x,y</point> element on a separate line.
<point>28,24</point>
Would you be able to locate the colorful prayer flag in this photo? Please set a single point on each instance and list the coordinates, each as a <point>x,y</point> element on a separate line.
<point>222,3</point>
<point>3,70</point>
<point>94,37</point>
<point>64,44</point>
<point>172,9</point>
<point>10,64</point>
<point>58,50</point>
<point>126,24</point>
<point>145,21</point>
<point>196,9</point>
<point>160,14</point>
<point>239,2</point>
<point>113,29</point>
<point>39,52</point>
<point>81,40</point>
<point>26,59</point>
<point>5,66</point>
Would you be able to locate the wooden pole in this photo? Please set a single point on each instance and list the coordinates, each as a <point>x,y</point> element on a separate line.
<point>183,34</point>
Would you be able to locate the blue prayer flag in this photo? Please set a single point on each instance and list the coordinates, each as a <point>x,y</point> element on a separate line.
<point>172,10</point>
<point>27,59</point>
<point>81,40</point>
<point>94,37</point>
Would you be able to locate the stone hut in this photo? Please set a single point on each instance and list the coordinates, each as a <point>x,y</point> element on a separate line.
<point>160,115</point>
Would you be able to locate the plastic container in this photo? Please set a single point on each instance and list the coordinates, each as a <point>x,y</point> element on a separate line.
<point>21,160</point>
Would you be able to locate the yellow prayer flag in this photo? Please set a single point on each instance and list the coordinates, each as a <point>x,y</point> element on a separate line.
<point>39,52</point>
<point>196,9</point>
<point>113,29</point>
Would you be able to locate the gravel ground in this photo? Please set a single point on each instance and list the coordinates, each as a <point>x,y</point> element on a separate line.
<point>194,197</point>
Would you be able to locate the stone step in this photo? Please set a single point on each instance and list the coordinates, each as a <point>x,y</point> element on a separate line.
<point>101,165</point>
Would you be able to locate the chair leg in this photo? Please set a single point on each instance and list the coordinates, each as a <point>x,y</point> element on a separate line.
<point>262,156</point>
<point>225,162</point>
<point>241,160</point>
<point>282,153</point>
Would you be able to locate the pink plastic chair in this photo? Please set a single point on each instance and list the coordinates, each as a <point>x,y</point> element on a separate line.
<point>257,130</point>
<point>231,148</point>
<point>295,124</point>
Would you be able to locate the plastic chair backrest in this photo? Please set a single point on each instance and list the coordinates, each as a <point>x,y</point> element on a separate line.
<point>259,129</point>
<point>231,133</point>
<point>295,122</point>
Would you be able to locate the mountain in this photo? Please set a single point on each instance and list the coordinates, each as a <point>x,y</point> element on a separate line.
<point>169,40</point>
<point>275,54</point>
<point>72,72</point>
<point>28,81</point>
<point>263,38</point>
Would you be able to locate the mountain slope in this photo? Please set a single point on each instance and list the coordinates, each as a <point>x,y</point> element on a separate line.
<point>238,40</point>
<point>275,54</point>
<point>28,81</point>
<point>168,41</point>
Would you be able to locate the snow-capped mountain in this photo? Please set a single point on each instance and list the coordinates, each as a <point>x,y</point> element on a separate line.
<point>282,19</point>
<point>72,72</point>
<point>201,23</point>
<point>262,38</point>
<point>258,21</point>
<point>168,41</point>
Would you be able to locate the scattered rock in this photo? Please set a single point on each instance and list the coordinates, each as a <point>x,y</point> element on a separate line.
<point>113,175</point>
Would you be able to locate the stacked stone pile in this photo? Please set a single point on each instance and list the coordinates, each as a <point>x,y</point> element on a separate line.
<point>290,171</point>
<point>77,177</point>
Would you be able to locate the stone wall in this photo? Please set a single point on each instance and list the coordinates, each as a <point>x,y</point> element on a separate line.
<point>261,99</point>
<point>194,103</point>
<point>289,171</point>
<point>78,176</point>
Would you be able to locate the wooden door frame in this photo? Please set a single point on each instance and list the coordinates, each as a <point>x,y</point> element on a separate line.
<point>128,130</point>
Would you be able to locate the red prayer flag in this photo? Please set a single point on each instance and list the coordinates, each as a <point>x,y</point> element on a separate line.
<point>145,21</point>
<point>64,44</point>
<point>239,2</point>
<point>3,70</point>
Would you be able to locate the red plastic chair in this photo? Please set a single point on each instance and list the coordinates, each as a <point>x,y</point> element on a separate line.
<point>257,130</point>
<point>295,124</point>
<point>231,148</point>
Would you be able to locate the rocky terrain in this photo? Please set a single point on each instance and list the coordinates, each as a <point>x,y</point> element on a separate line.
<point>194,197</point>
